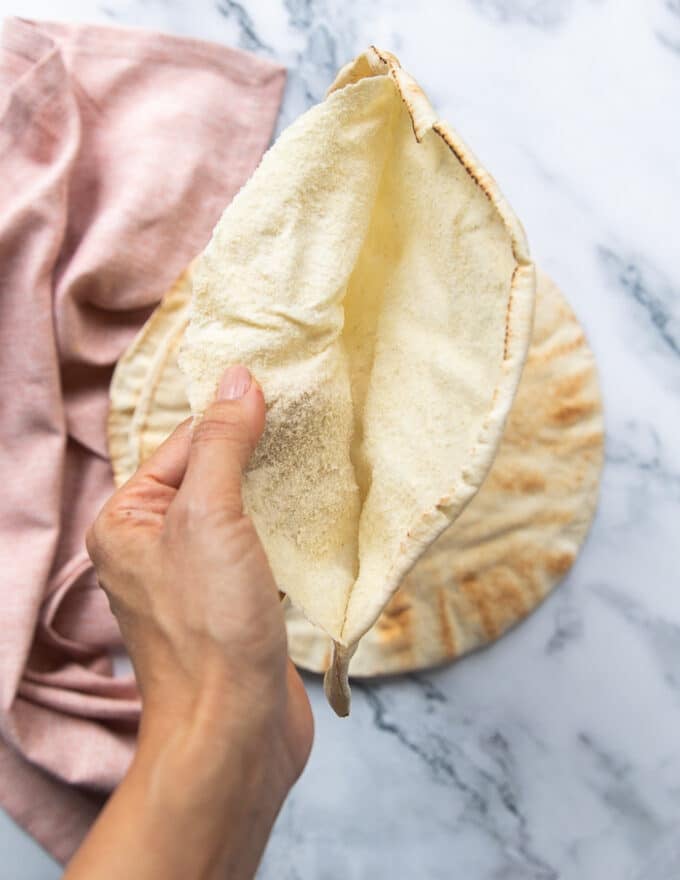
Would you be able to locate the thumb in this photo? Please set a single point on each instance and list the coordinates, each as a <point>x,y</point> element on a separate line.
<point>222,444</point>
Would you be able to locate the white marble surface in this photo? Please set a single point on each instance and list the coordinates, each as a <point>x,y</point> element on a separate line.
<point>556,753</point>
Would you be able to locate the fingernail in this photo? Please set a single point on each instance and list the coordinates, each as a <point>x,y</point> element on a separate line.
<point>234,383</point>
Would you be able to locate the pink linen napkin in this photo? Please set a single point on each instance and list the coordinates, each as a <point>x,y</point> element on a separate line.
<point>119,149</point>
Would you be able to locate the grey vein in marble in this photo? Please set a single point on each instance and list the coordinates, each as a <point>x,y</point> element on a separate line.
<point>328,43</point>
<point>669,35</point>
<point>637,446</point>
<point>300,12</point>
<point>651,290</point>
<point>488,789</point>
<point>614,781</point>
<point>248,37</point>
<point>538,13</point>
<point>324,39</point>
<point>569,625</point>
<point>662,636</point>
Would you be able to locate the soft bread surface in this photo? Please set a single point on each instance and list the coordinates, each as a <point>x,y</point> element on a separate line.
<point>376,283</point>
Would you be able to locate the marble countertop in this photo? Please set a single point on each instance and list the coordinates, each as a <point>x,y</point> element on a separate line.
<point>555,753</point>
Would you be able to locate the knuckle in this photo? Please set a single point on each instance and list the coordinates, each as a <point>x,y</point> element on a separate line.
<point>191,512</point>
<point>196,513</point>
<point>92,542</point>
<point>183,520</point>
<point>222,421</point>
<point>242,543</point>
<point>243,533</point>
<point>108,533</point>
<point>100,537</point>
<point>147,495</point>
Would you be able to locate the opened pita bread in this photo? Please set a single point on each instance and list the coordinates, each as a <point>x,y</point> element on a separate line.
<point>147,393</point>
<point>376,283</point>
<point>508,549</point>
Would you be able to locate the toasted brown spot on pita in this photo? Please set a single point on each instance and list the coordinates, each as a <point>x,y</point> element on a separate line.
<point>394,624</point>
<point>524,559</point>
<point>570,413</point>
<point>592,441</point>
<point>525,481</point>
<point>445,628</point>
<point>571,385</point>
<point>558,350</point>
<point>558,516</point>
<point>398,606</point>
<point>559,563</point>
<point>498,600</point>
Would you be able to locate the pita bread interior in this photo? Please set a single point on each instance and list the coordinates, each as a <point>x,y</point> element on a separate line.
<point>374,280</point>
<point>509,548</point>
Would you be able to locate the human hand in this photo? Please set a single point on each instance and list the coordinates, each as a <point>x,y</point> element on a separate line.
<point>188,580</point>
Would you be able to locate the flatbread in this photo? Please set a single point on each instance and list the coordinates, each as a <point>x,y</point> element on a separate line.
<point>379,287</point>
<point>147,393</point>
<point>510,547</point>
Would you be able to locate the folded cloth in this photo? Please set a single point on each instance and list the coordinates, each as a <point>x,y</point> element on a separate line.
<point>118,151</point>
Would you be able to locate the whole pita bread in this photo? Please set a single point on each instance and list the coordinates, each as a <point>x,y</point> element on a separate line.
<point>507,550</point>
<point>379,287</point>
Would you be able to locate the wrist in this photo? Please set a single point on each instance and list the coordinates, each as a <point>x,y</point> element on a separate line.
<point>205,700</point>
<point>206,750</point>
<point>218,793</point>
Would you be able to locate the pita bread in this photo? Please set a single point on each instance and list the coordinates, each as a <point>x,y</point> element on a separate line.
<point>508,549</point>
<point>147,394</point>
<point>379,287</point>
